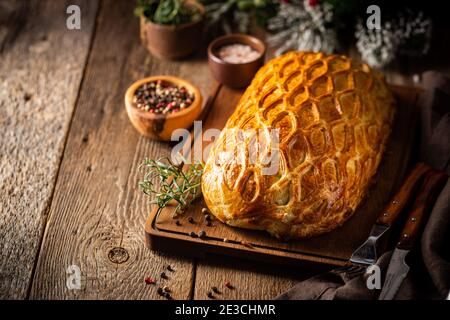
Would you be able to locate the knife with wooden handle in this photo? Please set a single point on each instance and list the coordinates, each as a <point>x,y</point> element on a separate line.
<point>434,181</point>
<point>366,254</point>
<point>402,197</point>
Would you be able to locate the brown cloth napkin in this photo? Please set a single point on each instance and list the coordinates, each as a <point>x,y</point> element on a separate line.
<point>429,276</point>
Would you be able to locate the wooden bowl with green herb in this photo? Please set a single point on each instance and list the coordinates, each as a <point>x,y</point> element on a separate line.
<point>171,29</point>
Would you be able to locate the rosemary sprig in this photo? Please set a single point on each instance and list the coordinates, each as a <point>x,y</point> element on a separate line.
<point>175,185</point>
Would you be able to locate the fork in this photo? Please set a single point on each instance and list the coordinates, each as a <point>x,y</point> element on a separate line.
<point>366,254</point>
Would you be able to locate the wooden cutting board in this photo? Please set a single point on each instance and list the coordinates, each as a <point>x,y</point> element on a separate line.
<point>334,248</point>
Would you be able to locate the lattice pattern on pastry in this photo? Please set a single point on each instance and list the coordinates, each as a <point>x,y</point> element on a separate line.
<point>333,117</point>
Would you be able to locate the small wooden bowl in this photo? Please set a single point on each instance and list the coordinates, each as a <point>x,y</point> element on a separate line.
<point>158,126</point>
<point>236,75</point>
<point>173,42</point>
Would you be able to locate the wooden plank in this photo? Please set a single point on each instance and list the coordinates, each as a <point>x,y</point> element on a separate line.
<point>41,69</point>
<point>97,216</point>
<point>250,281</point>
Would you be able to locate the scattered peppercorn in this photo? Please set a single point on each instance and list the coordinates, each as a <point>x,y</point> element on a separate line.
<point>228,285</point>
<point>167,295</point>
<point>149,280</point>
<point>215,290</point>
<point>178,223</point>
<point>193,234</point>
<point>207,217</point>
<point>208,223</point>
<point>201,234</point>
<point>163,275</point>
<point>162,97</point>
<point>169,267</point>
<point>160,291</point>
<point>210,295</point>
<point>204,210</point>
<point>166,289</point>
<point>191,220</point>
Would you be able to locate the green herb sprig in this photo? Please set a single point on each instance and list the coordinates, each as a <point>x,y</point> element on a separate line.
<point>176,186</point>
<point>170,12</point>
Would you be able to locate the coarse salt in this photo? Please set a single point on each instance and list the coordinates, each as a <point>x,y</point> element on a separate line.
<point>238,53</point>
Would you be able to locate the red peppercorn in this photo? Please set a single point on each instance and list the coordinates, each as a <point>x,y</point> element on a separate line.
<point>149,280</point>
<point>228,285</point>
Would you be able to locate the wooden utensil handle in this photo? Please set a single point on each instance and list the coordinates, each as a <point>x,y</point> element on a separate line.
<point>401,198</point>
<point>433,183</point>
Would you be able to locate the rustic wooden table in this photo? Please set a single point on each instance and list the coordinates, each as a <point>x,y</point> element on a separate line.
<point>69,162</point>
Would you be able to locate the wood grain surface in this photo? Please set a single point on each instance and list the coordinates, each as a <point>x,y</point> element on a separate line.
<point>97,216</point>
<point>250,280</point>
<point>41,68</point>
<point>69,160</point>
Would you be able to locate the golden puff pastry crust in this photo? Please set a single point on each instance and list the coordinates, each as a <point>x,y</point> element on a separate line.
<point>333,116</point>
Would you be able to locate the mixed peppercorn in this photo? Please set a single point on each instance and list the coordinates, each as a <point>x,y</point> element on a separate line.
<point>163,290</point>
<point>166,292</point>
<point>162,97</point>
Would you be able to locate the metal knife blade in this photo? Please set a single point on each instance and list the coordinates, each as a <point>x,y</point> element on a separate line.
<point>396,273</point>
<point>398,269</point>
